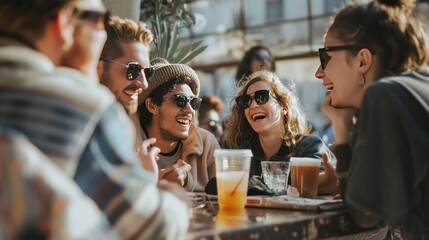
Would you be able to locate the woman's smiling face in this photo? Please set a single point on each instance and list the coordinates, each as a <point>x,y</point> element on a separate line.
<point>264,118</point>
<point>341,75</point>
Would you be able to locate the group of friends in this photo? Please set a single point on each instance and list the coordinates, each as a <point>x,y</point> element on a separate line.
<point>93,132</point>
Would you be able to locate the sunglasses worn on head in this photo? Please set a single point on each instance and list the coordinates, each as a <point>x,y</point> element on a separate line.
<point>96,17</point>
<point>260,97</point>
<point>324,57</point>
<point>181,100</point>
<point>133,69</point>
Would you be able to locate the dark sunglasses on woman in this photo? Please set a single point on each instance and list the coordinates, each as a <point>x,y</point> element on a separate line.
<point>260,97</point>
<point>181,100</point>
<point>263,57</point>
<point>324,57</point>
<point>133,69</point>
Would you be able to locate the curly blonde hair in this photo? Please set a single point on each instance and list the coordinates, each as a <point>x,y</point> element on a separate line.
<point>295,125</point>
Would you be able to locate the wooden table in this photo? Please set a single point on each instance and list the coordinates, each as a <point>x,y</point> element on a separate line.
<point>264,223</point>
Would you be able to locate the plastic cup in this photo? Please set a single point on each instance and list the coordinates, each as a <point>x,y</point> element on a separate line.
<point>304,175</point>
<point>232,177</point>
<point>232,218</point>
<point>276,175</point>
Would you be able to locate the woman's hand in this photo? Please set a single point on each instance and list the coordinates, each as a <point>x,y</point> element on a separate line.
<point>328,181</point>
<point>341,119</point>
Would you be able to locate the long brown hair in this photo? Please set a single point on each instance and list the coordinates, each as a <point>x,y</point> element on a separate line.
<point>295,124</point>
<point>389,28</point>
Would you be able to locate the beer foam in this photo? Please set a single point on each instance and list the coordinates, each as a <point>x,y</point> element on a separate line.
<point>301,161</point>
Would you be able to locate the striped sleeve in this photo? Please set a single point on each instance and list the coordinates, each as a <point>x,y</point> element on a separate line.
<point>109,172</point>
<point>38,201</point>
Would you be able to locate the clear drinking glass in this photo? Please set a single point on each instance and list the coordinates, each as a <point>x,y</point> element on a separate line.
<point>276,175</point>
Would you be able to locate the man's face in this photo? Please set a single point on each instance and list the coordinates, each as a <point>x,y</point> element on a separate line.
<point>174,122</point>
<point>89,37</point>
<point>114,77</point>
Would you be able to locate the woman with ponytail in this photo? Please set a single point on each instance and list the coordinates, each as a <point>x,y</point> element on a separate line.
<point>374,65</point>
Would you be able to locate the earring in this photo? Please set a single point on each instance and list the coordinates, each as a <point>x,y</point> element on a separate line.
<point>362,80</point>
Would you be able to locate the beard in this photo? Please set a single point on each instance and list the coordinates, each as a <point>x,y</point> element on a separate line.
<point>166,134</point>
<point>166,131</point>
<point>130,107</point>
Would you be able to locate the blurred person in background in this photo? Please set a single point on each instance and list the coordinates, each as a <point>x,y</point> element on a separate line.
<point>374,64</point>
<point>256,58</point>
<point>209,116</point>
<point>50,96</point>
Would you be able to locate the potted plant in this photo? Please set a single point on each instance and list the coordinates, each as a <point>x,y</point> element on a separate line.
<point>167,18</point>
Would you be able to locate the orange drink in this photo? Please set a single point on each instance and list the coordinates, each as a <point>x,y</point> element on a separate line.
<point>232,189</point>
<point>227,218</point>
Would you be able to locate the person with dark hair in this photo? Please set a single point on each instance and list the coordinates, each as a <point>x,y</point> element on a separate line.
<point>256,58</point>
<point>166,113</point>
<point>209,116</point>
<point>53,108</point>
<point>374,64</point>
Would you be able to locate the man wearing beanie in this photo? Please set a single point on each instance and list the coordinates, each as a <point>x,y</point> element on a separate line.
<point>166,112</point>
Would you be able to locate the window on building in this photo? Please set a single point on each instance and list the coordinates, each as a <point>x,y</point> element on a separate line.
<point>274,10</point>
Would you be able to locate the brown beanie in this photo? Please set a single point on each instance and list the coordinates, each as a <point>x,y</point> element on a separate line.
<point>164,71</point>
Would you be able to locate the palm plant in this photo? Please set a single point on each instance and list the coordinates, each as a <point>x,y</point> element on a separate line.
<point>167,18</point>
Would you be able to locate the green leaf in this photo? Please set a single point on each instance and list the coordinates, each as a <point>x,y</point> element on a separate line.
<point>193,54</point>
<point>167,18</point>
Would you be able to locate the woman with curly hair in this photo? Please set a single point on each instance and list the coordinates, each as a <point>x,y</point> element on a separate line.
<point>267,118</point>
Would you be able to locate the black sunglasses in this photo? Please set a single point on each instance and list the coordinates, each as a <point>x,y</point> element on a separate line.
<point>99,18</point>
<point>263,57</point>
<point>181,100</point>
<point>133,69</point>
<point>324,57</point>
<point>260,97</point>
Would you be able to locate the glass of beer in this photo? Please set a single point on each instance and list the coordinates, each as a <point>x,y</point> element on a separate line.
<point>232,177</point>
<point>304,175</point>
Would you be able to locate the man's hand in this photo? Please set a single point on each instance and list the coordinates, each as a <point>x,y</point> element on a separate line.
<point>177,172</point>
<point>149,155</point>
<point>328,181</point>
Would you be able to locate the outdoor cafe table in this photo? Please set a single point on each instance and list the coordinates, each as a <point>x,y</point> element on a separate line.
<point>269,223</point>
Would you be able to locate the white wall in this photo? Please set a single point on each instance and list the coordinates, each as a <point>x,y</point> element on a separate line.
<point>124,8</point>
